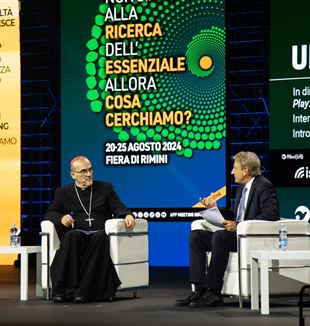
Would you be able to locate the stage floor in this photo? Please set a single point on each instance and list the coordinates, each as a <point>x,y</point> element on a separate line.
<point>154,306</point>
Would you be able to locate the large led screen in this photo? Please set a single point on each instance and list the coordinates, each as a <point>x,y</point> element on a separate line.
<point>289,106</point>
<point>143,96</point>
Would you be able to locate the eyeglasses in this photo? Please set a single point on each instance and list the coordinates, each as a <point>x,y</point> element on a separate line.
<point>84,171</point>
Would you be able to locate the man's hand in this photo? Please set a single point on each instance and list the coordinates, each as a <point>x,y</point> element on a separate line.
<point>230,226</point>
<point>129,221</point>
<point>209,201</point>
<point>67,220</point>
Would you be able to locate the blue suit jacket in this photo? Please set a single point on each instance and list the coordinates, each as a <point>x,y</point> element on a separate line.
<point>262,201</point>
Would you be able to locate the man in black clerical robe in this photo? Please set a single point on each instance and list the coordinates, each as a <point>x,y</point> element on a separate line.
<point>82,269</point>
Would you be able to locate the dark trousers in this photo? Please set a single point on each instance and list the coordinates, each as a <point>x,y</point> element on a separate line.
<point>220,243</point>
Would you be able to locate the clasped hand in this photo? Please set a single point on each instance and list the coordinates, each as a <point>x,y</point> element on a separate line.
<point>230,226</point>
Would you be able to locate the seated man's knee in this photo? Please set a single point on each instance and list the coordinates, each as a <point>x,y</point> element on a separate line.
<point>223,238</point>
<point>100,236</point>
<point>195,237</point>
<point>70,235</point>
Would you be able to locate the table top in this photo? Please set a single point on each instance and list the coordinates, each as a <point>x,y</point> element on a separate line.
<point>20,250</point>
<point>280,254</point>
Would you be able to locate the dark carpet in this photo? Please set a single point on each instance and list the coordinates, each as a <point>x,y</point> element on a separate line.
<point>153,306</point>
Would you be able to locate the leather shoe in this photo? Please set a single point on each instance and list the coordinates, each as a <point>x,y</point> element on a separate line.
<point>186,301</point>
<point>209,299</point>
<point>59,298</point>
<point>80,299</point>
<point>110,299</point>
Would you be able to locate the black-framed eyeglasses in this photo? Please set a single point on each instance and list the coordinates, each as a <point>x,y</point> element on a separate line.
<point>85,171</point>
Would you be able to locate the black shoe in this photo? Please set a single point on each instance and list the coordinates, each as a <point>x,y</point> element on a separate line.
<point>209,299</point>
<point>110,299</point>
<point>185,302</point>
<point>59,298</point>
<point>80,299</point>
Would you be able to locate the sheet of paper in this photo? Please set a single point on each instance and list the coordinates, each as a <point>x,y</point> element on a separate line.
<point>216,195</point>
<point>213,216</point>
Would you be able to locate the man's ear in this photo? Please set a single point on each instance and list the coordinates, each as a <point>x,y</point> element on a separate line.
<point>72,175</point>
<point>246,170</point>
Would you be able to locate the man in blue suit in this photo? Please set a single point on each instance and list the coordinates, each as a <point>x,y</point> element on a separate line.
<point>256,199</point>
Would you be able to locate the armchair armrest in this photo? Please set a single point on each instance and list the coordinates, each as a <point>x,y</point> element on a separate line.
<point>127,245</point>
<point>117,226</point>
<point>204,225</point>
<point>129,252</point>
<point>257,227</point>
<point>48,227</point>
<point>199,225</point>
<point>49,243</point>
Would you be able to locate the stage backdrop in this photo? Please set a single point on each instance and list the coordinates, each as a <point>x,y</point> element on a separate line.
<point>10,126</point>
<point>143,96</point>
<point>290,106</point>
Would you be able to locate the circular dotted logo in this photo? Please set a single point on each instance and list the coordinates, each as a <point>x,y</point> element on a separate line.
<point>194,29</point>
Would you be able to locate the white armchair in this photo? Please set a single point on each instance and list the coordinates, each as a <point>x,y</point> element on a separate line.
<point>286,277</point>
<point>128,250</point>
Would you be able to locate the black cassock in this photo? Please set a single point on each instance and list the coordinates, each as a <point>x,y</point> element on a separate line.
<point>82,265</point>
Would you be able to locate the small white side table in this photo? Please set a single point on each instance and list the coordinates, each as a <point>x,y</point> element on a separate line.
<point>24,251</point>
<point>261,258</point>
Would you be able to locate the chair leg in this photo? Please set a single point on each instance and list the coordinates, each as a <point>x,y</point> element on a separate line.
<point>239,272</point>
<point>301,305</point>
<point>47,263</point>
<point>48,270</point>
<point>135,294</point>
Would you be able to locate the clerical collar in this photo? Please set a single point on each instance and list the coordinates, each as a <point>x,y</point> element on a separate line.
<point>80,188</point>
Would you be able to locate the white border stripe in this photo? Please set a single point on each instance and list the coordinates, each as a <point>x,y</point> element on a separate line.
<point>295,78</point>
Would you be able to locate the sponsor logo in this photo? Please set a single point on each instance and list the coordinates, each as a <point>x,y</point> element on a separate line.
<point>302,213</point>
<point>302,173</point>
<point>164,215</point>
<point>292,156</point>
